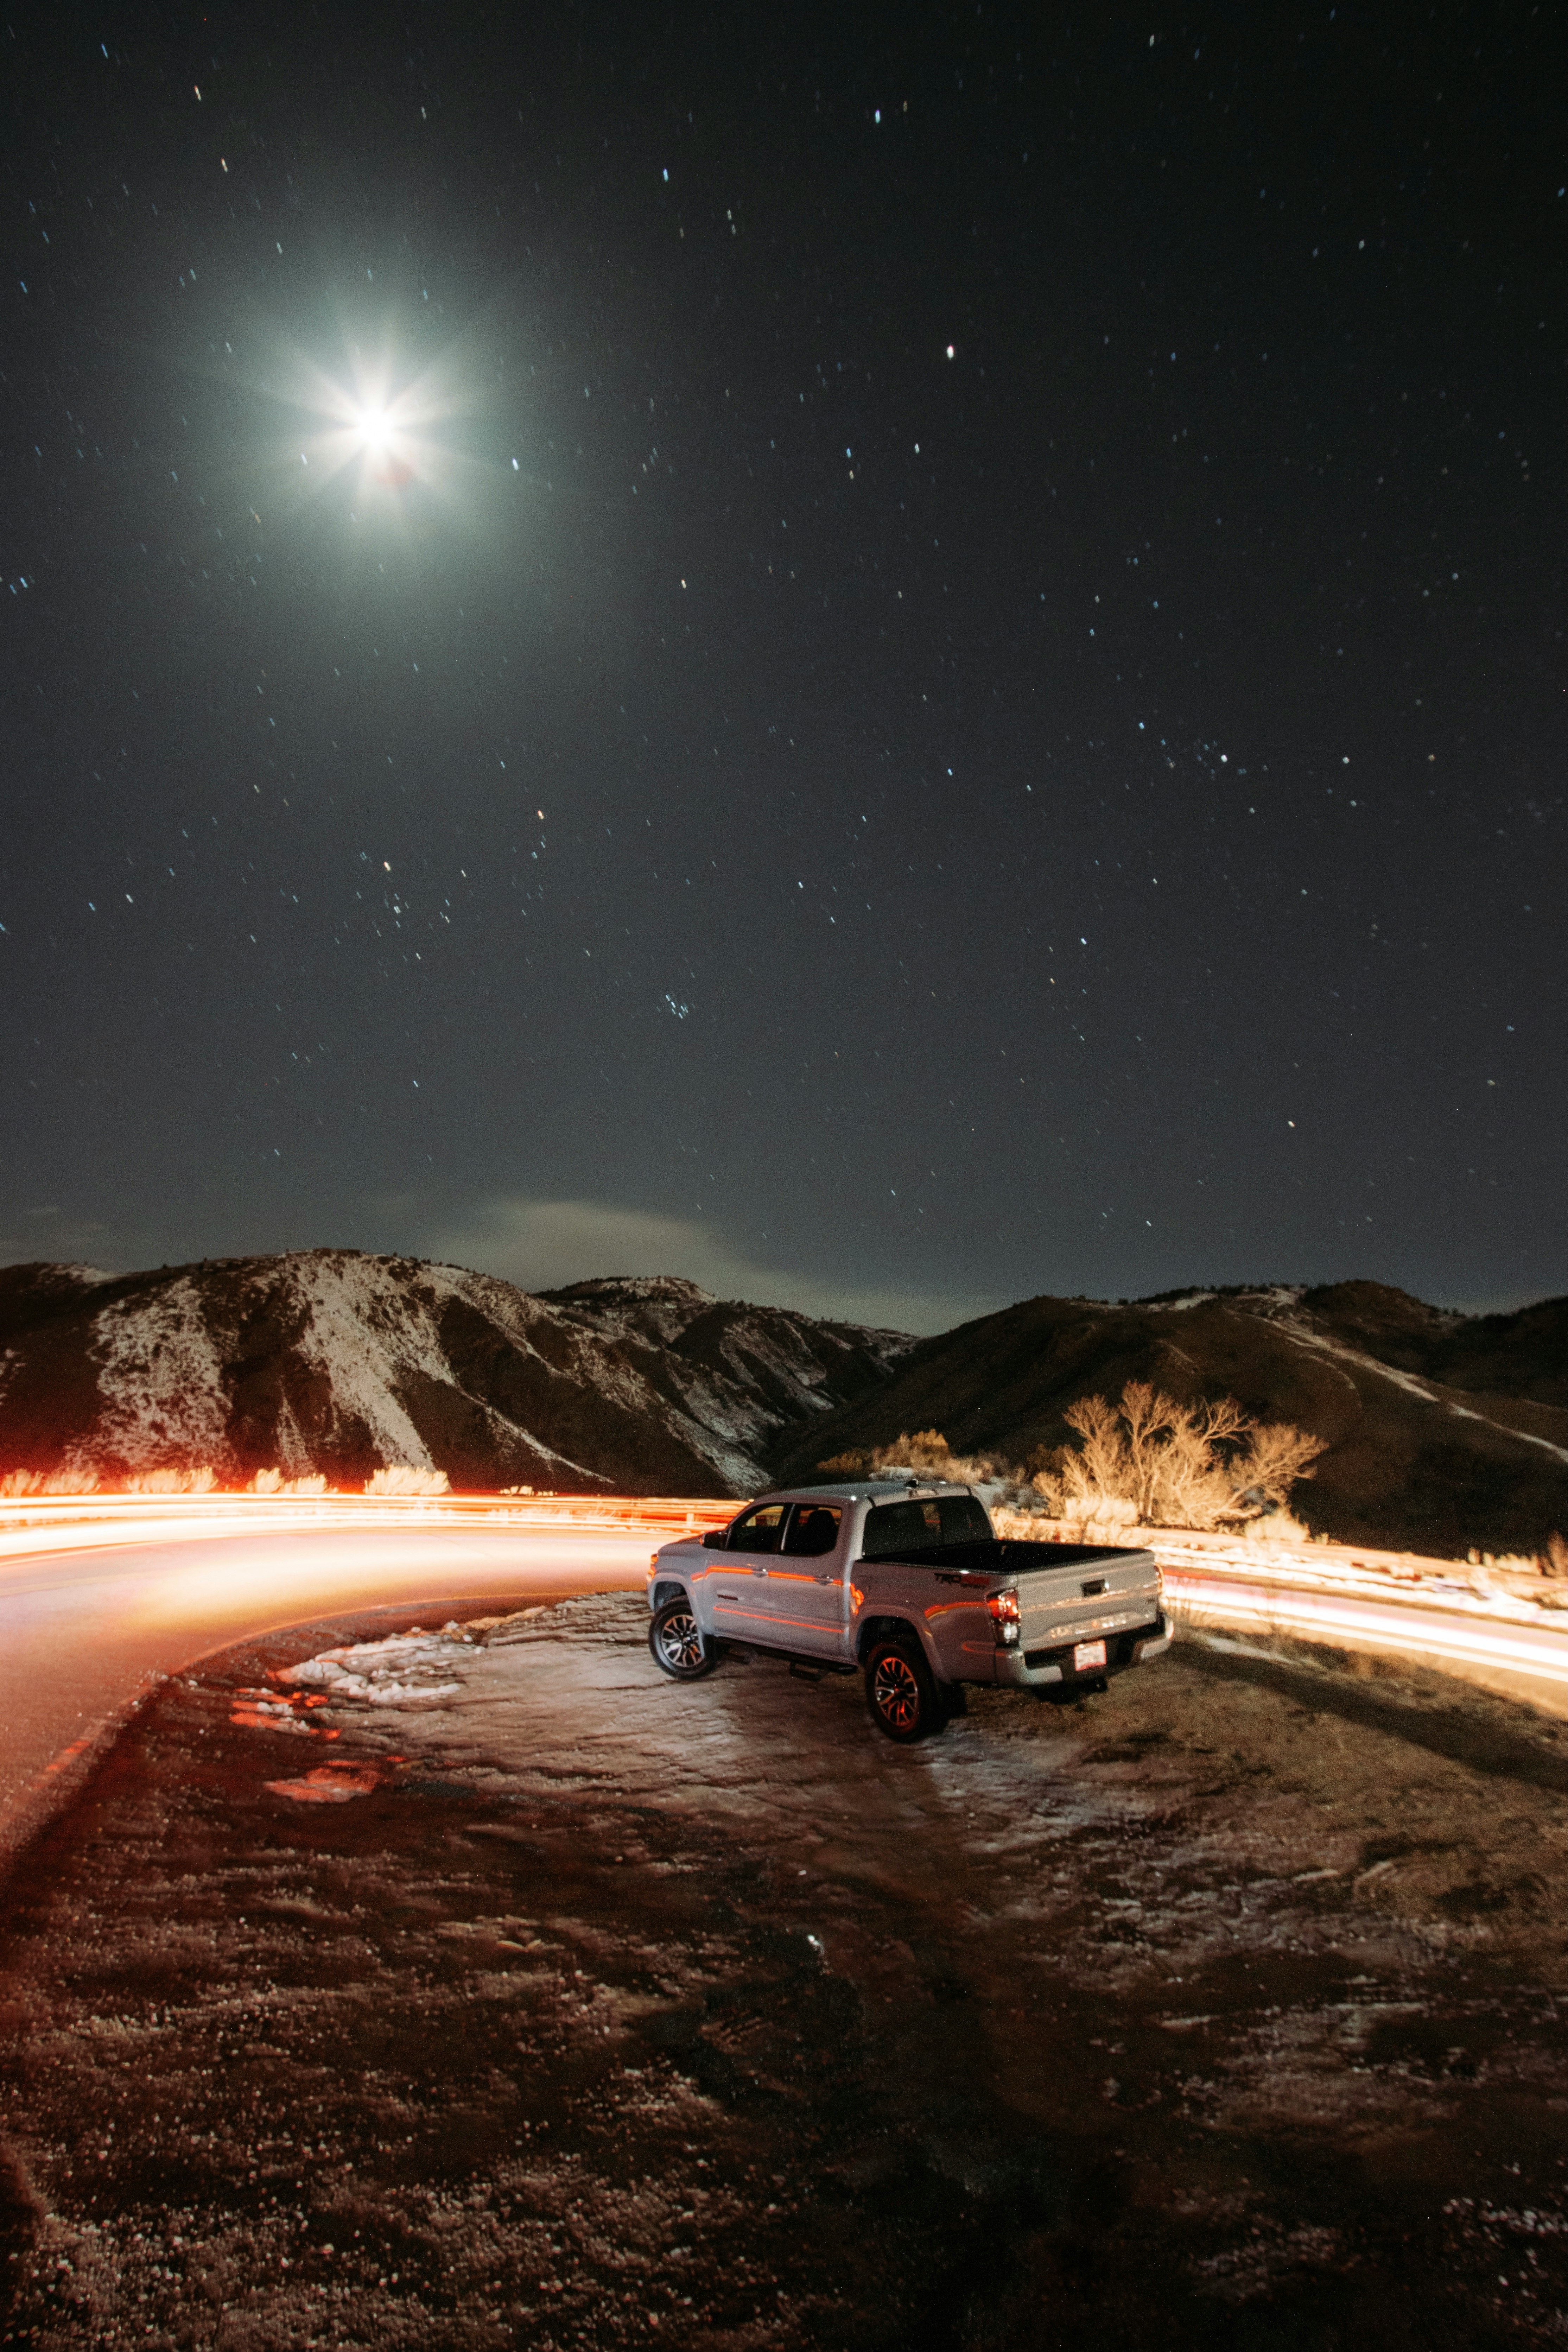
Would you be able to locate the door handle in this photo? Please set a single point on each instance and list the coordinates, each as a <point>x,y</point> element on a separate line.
<point>824,1580</point>
<point>759,1572</point>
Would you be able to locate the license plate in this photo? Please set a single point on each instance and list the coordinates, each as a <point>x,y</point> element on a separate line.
<point>1086,1654</point>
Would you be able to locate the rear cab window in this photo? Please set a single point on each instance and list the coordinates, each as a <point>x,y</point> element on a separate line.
<point>914,1525</point>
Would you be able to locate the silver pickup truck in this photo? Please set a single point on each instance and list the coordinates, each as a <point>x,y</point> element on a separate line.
<point>904,1578</point>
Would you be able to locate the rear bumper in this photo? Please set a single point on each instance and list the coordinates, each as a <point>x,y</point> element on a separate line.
<point>1036,1669</point>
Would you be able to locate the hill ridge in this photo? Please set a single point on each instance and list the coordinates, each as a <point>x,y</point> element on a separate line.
<point>1443,1431</point>
<point>344,1360</point>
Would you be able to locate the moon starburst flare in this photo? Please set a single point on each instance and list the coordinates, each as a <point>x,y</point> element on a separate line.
<point>372,430</point>
<point>384,437</point>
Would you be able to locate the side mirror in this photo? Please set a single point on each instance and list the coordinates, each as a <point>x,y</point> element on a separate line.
<point>714,1538</point>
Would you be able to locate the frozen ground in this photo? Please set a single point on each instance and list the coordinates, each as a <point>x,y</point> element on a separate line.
<point>490,1991</point>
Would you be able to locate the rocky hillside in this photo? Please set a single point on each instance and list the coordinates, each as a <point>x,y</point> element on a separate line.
<point>330,1360</point>
<point>1444,1431</point>
<point>749,1371</point>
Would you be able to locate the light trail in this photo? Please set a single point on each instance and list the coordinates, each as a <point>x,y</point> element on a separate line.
<point>100,1596</point>
<point>1480,1623</point>
<point>1518,1648</point>
<point>39,1524</point>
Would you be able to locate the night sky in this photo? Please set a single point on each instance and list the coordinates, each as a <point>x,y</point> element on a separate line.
<point>892,659</point>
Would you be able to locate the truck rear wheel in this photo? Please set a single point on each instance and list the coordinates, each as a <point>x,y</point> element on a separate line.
<point>902,1693</point>
<point>678,1643</point>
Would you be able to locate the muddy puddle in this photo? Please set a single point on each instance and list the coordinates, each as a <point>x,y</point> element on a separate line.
<point>489,1990</point>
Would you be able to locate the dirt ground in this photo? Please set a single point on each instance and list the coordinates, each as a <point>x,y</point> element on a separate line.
<point>573,2008</point>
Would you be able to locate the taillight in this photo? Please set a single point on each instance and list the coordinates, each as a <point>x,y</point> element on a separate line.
<point>1004,1608</point>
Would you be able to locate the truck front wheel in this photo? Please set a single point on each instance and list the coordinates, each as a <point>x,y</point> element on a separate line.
<point>902,1693</point>
<point>678,1643</point>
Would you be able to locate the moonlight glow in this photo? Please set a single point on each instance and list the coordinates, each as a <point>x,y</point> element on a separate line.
<point>374,429</point>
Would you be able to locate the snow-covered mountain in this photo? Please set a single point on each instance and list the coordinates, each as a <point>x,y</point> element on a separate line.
<point>334,1361</point>
<point>753,1372</point>
<point>1443,1431</point>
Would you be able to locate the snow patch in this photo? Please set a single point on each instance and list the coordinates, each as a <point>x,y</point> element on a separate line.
<point>160,1374</point>
<point>408,1669</point>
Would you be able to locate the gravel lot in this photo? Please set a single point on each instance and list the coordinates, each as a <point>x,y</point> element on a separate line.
<point>568,2007</point>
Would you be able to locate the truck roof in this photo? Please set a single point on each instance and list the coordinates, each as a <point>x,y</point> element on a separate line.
<point>884,1488</point>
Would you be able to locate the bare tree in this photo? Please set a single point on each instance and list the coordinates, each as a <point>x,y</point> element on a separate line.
<point>1170,1465</point>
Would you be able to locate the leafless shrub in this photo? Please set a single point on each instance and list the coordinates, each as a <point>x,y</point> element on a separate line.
<point>402,1478</point>
<point>1556,1561</point>
<point>1013,1523</point>
<point>273,1482</point>
<point>17,1483</point>
<point>1283,1527</point>
<point>927,1450</point>
<point>1151,1462</point>
<point>201,1480</point>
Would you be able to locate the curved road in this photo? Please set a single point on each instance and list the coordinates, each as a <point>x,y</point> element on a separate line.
<point>93,1609</point>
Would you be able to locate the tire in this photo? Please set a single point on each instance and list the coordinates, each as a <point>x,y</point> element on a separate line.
<point>679,1644</point>
<point>902,1693</point>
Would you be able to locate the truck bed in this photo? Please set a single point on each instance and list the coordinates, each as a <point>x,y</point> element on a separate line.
<point>1009,1556</point>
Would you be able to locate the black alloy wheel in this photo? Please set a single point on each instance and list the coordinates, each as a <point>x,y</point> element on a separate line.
<point>678,1643</point>
<point>902,1693</point>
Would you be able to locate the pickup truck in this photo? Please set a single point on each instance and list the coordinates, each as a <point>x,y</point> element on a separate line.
<point>903,1579</point>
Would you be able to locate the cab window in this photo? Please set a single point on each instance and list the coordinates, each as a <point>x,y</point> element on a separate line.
<point>813,1529</point>
<point>900,1527</point>
<point>759,1529</point>
<point>963,1520</point>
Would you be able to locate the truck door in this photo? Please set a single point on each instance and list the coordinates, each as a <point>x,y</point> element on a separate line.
<point>807,1581</point>
<point>743,1605</point>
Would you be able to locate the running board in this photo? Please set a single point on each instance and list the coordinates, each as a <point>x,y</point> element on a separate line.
<point>799,1661</point>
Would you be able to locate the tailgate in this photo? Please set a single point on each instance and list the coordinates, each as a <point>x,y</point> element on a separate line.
<point>1096,1592</point>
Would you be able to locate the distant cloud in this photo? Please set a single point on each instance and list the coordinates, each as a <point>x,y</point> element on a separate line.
<point>541,1244</point>
<point>55,1238</point>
